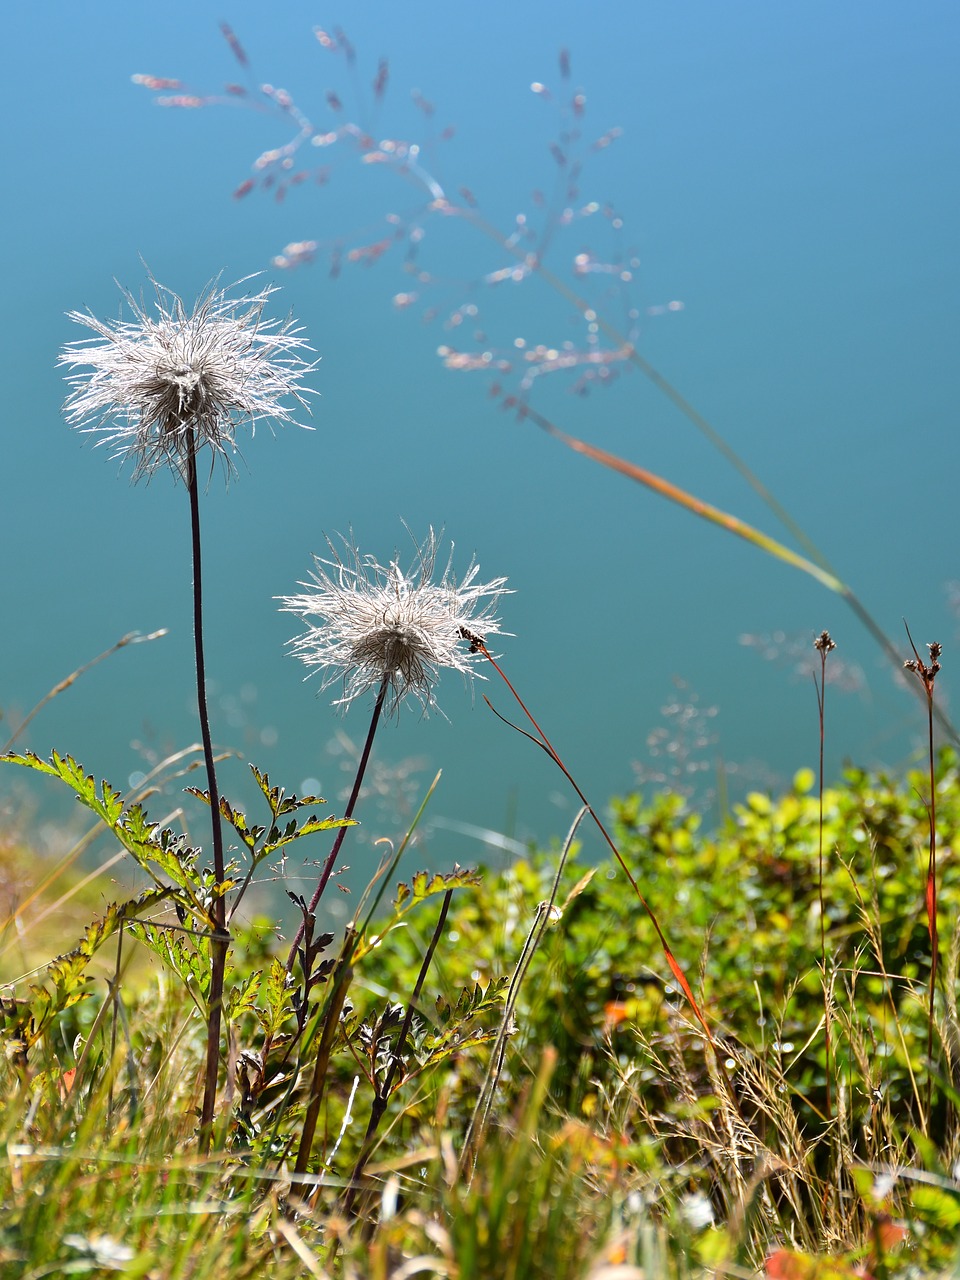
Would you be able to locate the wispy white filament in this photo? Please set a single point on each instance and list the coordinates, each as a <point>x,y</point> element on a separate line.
<point>367,621</point>
<point>168,374</point>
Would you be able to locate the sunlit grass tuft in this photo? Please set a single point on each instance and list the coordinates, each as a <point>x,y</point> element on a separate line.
<point>615,1144</point>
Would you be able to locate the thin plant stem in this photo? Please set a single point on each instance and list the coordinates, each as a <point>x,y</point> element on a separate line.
<point>927,674</point>
<point>357,933</point>
<point>931,896</point>
<point>111,1003</point>
<point>348,813</point>
<point>542,741</point>
<point>932,860</point>
<point>220,939</point>
<point>542,921</point>
<point>816,567</point>
<point>132,637</point>
<point>340,984</point>
<point>115,993</point>
<point>382,1091</point>
<point>941,717</point>
<point>823,645</point>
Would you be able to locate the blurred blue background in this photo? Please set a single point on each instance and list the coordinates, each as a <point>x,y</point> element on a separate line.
<point>789,174</point>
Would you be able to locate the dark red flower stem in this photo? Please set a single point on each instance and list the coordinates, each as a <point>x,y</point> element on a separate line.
<point>348,813</point>
<point>220,940</point>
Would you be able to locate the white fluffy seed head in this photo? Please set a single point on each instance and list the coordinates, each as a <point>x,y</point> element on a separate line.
<point>170,379</point>
<point>367,622</point>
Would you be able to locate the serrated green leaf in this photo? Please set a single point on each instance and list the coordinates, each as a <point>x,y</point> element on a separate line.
<point>402,894</point>
<point>248,834</point>
<point>29,760</point>
<point>65,981</point>
<point>280,803</point>
<point>188,955</point>
<point>278,998</point>
<point>471,1002</point>
<point>262,841</point>
<point>105,803</point>
<point>146,842</point>
<point>446,1047</point>
<point>243,998</point>
<point>278,840</point>
<point>424,885</point>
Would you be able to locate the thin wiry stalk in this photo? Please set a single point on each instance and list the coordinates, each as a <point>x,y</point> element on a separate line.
<point>220,939</point>
<point>817,567</point>
<point>338,841</point>
<point>111,1003</point>
<point>374,626</point>
<point>823,644</point>
<point>931,896</point>
<point>817,564</point>
<point>370,902</point>
<point>927,674</point>
<point>544,743</point>
<point>115,994</point>
<point>161,388</point>
<point>870,916</point>
<point>340,984</point>
<point>382,1091</point>
<point>544,917</point>
<point>132,637</point>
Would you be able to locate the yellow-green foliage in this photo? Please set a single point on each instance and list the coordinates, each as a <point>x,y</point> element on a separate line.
<point>617,1134</point>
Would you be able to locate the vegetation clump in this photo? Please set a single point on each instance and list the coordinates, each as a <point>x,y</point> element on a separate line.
<point>617,1134</point>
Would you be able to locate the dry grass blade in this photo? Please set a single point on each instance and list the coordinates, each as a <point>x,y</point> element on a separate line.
<point>132,637</point>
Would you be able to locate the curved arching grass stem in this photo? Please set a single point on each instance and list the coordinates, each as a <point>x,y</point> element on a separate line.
<point>542,741</point>
<point>817,567</point>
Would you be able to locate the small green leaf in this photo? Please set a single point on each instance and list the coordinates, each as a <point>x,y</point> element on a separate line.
<point>424,885</point>
<point>278,994</point>
<point>243,998</point>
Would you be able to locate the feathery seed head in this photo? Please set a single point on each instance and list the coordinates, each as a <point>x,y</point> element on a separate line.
<point>168,383</point>
<point>367,621</point>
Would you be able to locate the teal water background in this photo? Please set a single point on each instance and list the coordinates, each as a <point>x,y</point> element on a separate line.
<point>788,173</point>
